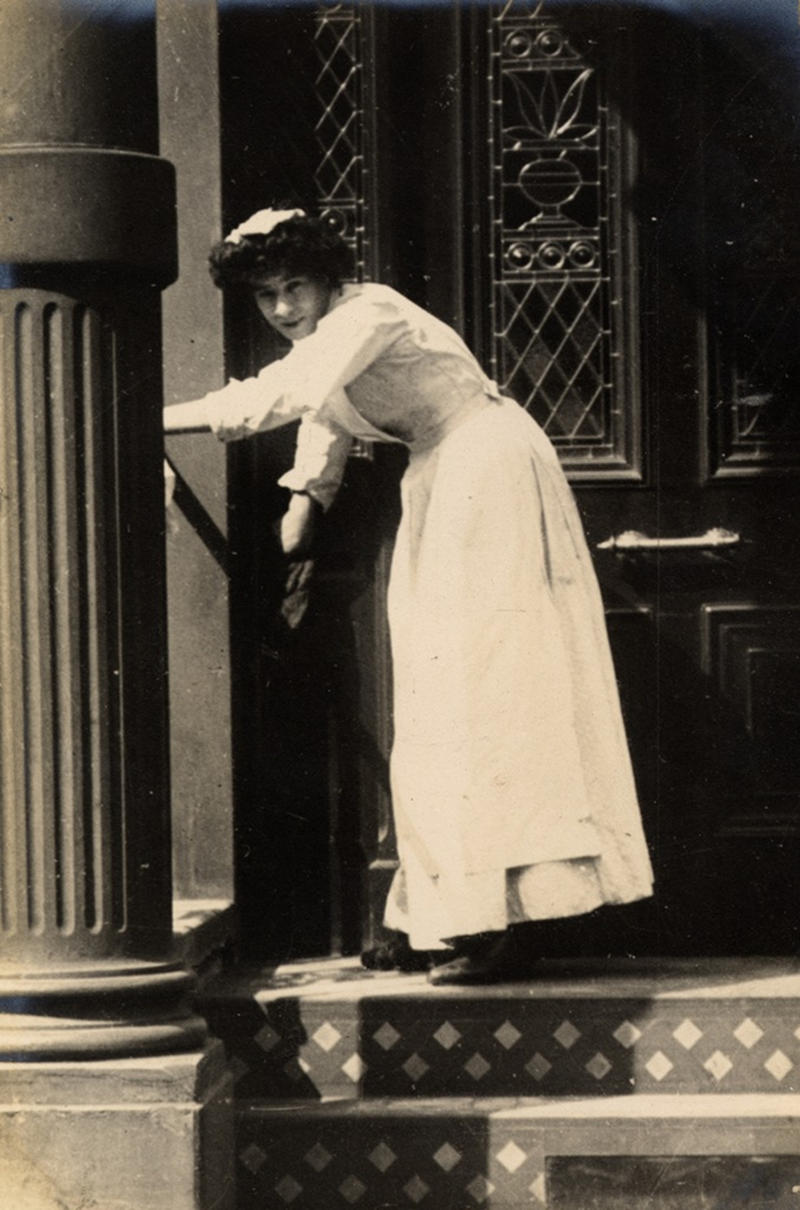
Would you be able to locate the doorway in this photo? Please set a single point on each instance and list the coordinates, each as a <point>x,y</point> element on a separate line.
<point>600,199</point>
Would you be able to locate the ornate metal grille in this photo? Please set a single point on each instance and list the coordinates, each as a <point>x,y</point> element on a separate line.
<point>562,340</point>
<point>344,134</point>
<point>344,128</point>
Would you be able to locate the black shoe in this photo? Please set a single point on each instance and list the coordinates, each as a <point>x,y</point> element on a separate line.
<point>396,955</point>
<point>480,961</point>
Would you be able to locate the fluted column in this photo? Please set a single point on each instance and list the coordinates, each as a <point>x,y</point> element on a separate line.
<point>87,240</point>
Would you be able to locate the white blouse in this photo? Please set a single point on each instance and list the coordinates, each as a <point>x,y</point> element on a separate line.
<point>377,367</point>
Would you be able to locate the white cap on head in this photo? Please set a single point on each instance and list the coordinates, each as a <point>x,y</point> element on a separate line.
<point>261,223</point>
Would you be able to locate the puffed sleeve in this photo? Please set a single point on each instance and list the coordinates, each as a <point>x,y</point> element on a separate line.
<point>347,340</point>
<point>320,458</point>
<point>251,405</point>
<point>238,409</point>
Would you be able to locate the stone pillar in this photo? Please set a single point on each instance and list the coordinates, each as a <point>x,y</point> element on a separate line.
<point>89,988</point>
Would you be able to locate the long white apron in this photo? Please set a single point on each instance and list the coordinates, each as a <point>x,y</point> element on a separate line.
<point>512,788</point>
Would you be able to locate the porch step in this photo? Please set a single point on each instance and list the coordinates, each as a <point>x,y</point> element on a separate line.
<point>319,1030</point>
<point>670,1084</point>
<point>665,1152</point>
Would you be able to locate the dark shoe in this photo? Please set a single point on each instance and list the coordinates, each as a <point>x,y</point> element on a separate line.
<point>396,955</point>
<point>480,962</point>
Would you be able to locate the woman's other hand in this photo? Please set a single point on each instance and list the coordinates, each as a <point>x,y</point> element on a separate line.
<point>297,524</point>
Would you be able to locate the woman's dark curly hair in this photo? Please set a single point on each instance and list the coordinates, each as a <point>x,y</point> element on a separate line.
<point>303,246</point>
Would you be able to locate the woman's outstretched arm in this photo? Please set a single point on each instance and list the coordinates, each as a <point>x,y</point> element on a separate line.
<point>190,417</point>
<point>239,409</point>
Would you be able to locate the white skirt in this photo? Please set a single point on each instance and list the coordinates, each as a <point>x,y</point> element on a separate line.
<point>512,789</point>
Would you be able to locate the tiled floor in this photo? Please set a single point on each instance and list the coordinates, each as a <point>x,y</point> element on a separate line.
<point>329,1029</point>
<point>381,1091</point>
<point>457,1155</point>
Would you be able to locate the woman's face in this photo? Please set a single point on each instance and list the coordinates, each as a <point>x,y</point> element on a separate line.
<point>294,305</point>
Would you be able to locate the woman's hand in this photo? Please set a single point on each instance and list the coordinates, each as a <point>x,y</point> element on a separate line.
<point>297,524</point>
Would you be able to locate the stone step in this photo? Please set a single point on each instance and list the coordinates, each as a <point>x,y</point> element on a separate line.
<point>659,1151</point>
<point>329,1029</point>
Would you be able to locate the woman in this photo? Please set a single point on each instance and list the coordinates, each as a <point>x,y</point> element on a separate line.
<point>511,783</point>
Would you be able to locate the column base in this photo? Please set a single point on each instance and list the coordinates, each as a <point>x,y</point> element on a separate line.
<point>114,1009</point>
<point>151,1133</point>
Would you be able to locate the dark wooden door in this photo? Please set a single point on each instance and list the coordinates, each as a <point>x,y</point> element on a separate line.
<point>641,298</point>
<point>602,201</point>
<point>706,621</point>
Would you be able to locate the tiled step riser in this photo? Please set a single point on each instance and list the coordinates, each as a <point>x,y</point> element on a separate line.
<point>423,1156</point>
<point>468,1046</point>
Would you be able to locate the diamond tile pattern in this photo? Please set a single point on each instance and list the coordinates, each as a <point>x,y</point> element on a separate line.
<point>598,1066</point>
<point>327,1036</point>
<point>354,1068</point>
<point>386,1036</point>
<point>687,1034</point>
<point>416,1189</point>
<point>566,1035</point>
<point>511,1156</point>
<point>718,1065</point>
<point>659,1066</point>
<point>778,1065</point>
<point>447,1157</point>
<point>538,1067</point>
<point>318,1158</point>
<point>470,1045</point>
<point>446,1035</point>
<point>439,1161</point>
<point>627,1035</point>
<point>507,1035</point>
<point>415,1067</point>
<point>538,1189</point>
<point>391,1139</point>
<point>352,1189</point>
<point>477,1066</point>
<point>382,1157</point>
<point>501,1164</point>
<point>480,1190</point>
<point>748,1033</point>
<point>288,1190</point>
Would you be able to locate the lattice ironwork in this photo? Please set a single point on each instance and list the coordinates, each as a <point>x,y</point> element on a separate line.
<point>559,327</point>
<point>344,133</point>
<point>344,127</point>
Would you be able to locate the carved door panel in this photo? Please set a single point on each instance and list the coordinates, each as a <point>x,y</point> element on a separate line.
<point>642,301</point>
<point>706,624</point>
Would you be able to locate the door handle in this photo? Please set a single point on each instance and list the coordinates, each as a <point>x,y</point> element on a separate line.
<point>632,540</point>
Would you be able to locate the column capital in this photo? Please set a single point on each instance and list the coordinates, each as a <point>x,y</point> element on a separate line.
<point>89,208</point>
